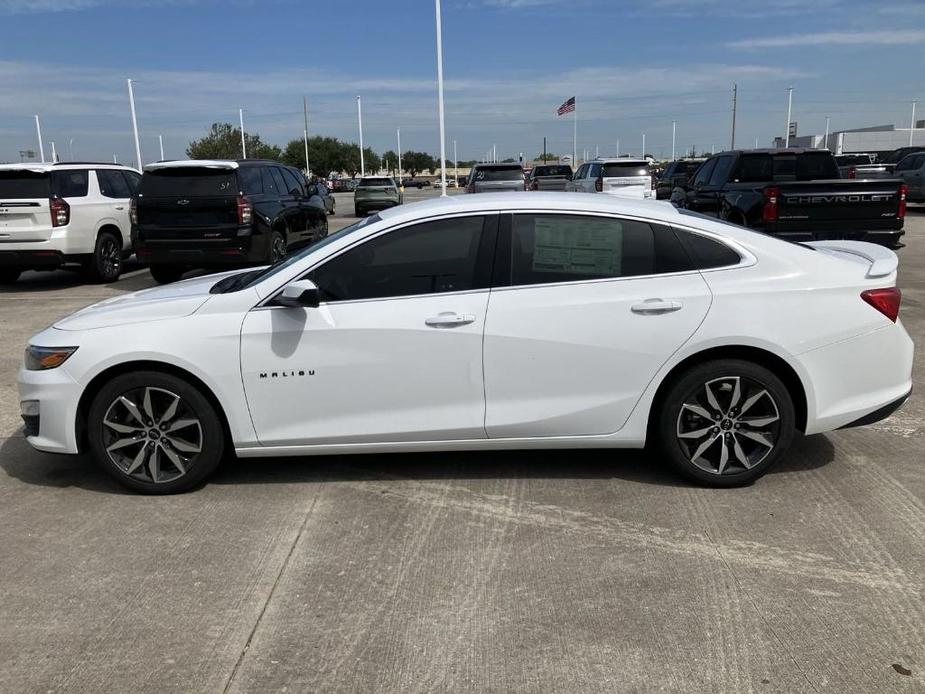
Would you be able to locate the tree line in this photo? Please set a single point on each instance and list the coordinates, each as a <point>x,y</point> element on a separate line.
<point>325,154</point>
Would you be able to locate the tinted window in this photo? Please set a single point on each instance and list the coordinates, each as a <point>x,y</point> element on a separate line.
<point>112,184</point>
<point>500,173</point>
<point>707,253</point>
<point>251,180</point>
<point>703,173</point>
<point>132,179</point>
<point>754,168</point>
<point>615,170</point>
<point>273,183</point>
<point>570,248</point>
<point>438,256</point>
<point>805,167</point>
<point>19,185</point>
<point>594,170</point>
<point>375,182</point>
<point>292,183</point>
<point>70,184</point>
<point>551,171</point>
<point>188,182</point>
<point>721,171</point>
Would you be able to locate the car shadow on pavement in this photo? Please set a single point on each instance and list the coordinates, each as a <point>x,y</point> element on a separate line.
<point>31,282</point>
<point>21,462</point>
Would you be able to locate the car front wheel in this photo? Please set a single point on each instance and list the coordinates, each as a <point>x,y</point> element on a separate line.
<point>725,423</point>
<point>155,433</point>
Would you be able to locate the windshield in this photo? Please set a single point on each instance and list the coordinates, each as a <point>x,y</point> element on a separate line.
<point>189,182</point>
<point>20,185</point>
<point>249,279</point>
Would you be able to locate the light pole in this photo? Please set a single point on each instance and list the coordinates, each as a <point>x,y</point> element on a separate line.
<point>70,148</point>
<point>360,122</point>
<point>243,145</point>
<point>54,154</point>
<point>618,146</point>
<point>398,132</point>
<point>455,167</point>
<point>38,129</point>
<point>131,103</point>
<point>440,99</point>
<point>160,142</point>
<point>826,140</point>
<point>789,109</point>
<point>674,125</point>
<point>912,126</point>
<point>643,145</point>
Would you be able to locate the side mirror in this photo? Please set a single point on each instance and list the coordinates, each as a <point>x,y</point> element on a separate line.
<point>299,294</point>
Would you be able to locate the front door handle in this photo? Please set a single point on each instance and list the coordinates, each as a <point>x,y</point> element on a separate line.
<point>449,319</point>
<point>656,307</point>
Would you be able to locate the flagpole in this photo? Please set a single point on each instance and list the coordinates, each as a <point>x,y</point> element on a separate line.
<point>575,135</point>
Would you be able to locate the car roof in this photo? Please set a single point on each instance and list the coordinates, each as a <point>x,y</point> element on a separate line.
<point>535,202</point>
<point>620,160</point>
<point>37,167</point>
<point>189,163</point>
<point>498,164</point>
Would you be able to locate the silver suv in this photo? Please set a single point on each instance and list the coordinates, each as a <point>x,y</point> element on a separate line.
<point>375,193</point>
<point>496,178</point>
<point>620,176</point>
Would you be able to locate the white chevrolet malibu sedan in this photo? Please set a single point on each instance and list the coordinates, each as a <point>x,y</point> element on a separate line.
<point>502,321</point>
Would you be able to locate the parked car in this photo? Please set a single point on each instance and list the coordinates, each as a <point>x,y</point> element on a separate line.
<point>375,193</point>
<point>549,177</point>
<point>621,176</point>
<point>911,169</point>
<point>71,215</point>
<point>218,214</point>
<point>676,173</point>
<point>343,185</point>
<point>795,193</point>
<point>861,165</point>
<point>321,190</point>
<point>496,178</point>
<point>897,155</point>
<point>382,338</point>
<point>414,183</point>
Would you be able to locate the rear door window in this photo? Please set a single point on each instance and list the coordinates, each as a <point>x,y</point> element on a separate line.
<point>292,183</point>
<point>704,172</point>
<point>22,185</point>
<point>112,184</point>
<point>188,182</point>
<point>279,184</point>
<point>721,171</point>
<point>70,184</point>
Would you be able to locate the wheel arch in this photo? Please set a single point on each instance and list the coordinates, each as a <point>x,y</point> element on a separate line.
<point>110,226</point>
<point>773,362</point>
<point>97,382</point>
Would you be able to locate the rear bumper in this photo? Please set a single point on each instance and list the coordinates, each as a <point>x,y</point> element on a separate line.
<point>870,230</point>
<point>374,204</point>
<point>238,249</point>
<point>32,260</point>
<point>880,414</point>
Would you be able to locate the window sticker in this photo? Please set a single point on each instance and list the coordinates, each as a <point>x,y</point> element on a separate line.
<point>577,246</point>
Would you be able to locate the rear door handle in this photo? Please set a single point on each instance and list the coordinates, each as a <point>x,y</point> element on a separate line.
<point>656,307</point>
<point>449,319</point>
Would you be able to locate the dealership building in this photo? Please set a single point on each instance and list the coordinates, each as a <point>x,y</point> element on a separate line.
<point>878,138</point>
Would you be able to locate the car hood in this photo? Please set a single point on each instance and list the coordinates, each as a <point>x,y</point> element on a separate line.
<point>158,303</point>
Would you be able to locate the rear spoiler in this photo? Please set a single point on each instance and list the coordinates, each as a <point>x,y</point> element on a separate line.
<point>883,261</point>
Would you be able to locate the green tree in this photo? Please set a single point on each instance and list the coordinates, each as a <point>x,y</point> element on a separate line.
<point>390,161</point>
<point>224,142</point>
<point>351,159</point>
<point>416,162</point>
<point>549,157</point>
<point>325,154</point>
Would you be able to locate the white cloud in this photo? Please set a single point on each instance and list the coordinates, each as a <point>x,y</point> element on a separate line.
<point>833,38</point>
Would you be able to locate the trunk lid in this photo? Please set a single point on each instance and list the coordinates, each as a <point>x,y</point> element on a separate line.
<point>877,261</point>
<point>839,200</point>
<point>187,203</point>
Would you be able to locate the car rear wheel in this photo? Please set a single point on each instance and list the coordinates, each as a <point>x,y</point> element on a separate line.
<point>155,433</point>
<point>323,228</point>
<point>105,265</point>
<point>165,274</point>
<point>8,275</point>
<point>725,423</point>
<point>278,247</point>
<point>359,212</point>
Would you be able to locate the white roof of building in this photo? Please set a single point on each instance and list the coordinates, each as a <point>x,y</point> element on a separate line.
<point>186,163</point>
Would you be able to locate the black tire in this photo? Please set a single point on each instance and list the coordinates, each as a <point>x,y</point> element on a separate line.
<point>323,230</point>
<point>736,217</point>
<point>768,417</point>
<point>8,275</point>
<point>105,264</point>
<point>333,208</point>
<point>156,448</point>
<point>165,274</point>
<point>277,248</point>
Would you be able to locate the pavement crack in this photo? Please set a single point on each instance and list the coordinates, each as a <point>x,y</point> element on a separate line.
<point>272,592</point>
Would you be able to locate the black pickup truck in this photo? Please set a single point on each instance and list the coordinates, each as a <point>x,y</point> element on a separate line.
<point>797,194</point>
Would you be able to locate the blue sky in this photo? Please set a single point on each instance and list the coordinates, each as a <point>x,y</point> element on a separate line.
<point>634,66</point>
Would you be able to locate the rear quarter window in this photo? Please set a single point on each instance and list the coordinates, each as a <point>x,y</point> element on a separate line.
<point>70,184</point>
<point>707,253</point>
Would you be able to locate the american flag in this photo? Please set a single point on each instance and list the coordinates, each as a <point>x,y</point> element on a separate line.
<point>567,107</point>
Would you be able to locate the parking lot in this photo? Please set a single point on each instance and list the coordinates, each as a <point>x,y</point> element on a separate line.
<point>560,571</point>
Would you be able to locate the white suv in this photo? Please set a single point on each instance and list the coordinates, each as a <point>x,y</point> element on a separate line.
<point>621,176</point>
<point>54,215</point>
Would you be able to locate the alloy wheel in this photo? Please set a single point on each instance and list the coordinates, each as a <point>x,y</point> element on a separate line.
<point>278,250</point>
<point>152,434</point>
<point>728,425</point>
<point>110,257</point>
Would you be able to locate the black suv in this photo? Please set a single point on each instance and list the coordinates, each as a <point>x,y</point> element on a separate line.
<point>215,214</point>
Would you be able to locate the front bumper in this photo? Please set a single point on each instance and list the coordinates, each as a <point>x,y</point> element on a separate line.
<point>58,396</point>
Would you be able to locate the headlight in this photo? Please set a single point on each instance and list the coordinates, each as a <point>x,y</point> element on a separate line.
<point>43,358</point>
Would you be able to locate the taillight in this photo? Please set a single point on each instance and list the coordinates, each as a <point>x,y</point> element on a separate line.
<point>885,300</point>
<point>599,184</point>
<point>903,191</point>
<point>771,195</point>
<point>245,211</point>
<point>60,212</point>
<point>852,172</point>
<point>133,211</point>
